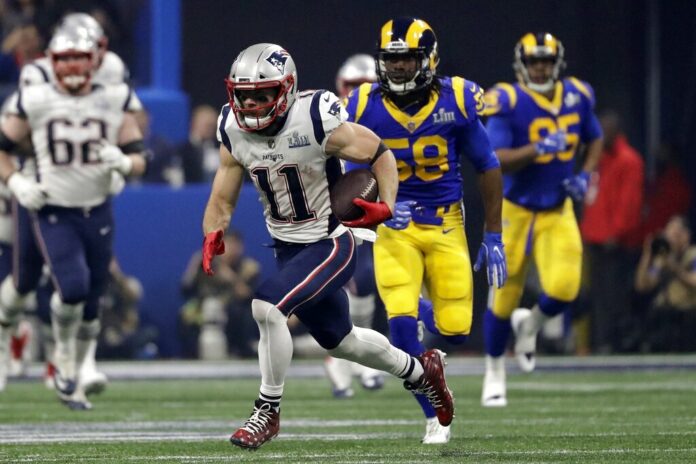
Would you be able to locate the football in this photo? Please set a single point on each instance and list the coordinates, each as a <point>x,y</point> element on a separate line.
<point>359,183</point>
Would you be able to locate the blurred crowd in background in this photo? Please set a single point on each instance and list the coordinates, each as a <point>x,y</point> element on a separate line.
<point>639,284</point>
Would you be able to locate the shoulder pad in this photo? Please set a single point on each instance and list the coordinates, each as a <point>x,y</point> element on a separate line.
<point>34,74</point>
<point>469,97</point>
<point>501,99</point>
<point>584,88</point>
<point>221,132</point>
<point>356,101</point>
<point>327,113</point>
<point>112,70</point>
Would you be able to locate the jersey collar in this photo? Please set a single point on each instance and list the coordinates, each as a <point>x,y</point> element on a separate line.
<point>553,106</point>
<point>411,123</point>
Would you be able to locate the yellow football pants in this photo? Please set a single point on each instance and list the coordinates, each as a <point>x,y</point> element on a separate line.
<point>436,256</point>
<point>552,238</point>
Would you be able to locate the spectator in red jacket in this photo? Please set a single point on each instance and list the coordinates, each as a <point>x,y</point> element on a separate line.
<point>612,213</point>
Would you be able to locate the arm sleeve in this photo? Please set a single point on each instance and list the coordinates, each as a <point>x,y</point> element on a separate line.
<point>477,147</point>
<point>499,132</point>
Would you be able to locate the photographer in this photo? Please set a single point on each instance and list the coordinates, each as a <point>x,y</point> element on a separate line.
<point>667,272</point>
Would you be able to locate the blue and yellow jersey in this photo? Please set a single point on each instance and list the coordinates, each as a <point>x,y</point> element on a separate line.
<point>520,116</point>
<point>427,143</point>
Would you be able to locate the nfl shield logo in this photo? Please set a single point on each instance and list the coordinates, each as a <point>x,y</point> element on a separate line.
<point>271,144</point>
<point>411,126</point>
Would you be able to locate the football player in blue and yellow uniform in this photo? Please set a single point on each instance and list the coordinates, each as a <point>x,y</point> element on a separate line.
<point>428,121</point>
<point>536,127</point>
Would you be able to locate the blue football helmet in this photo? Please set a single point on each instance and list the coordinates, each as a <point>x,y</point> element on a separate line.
<point>407,36</point>
<point>539,46</point>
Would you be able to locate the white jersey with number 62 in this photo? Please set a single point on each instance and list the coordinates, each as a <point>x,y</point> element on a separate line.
<point>65,133</point>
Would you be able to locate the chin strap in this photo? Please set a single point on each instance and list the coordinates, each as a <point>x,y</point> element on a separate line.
<point>545,87</point>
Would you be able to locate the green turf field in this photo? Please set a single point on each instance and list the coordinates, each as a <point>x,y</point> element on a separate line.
<point>553,417</point>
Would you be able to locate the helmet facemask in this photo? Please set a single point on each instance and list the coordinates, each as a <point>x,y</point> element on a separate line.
<point>267,105</point>
<point>393,68</point>
<point>73,57</point>
<point>526,57</point>
<point>73,69</point>
<point>262,86</point>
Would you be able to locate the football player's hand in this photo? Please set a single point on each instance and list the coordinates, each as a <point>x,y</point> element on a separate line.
<point>402,215</point>
<point>552,143</point>
<point>27,191</point>
<point>375,213</point>
<point>212,245</point>
<point>118,183</point>
<point>492,254</point>
<point>112,157</point>
<point>576,186</point>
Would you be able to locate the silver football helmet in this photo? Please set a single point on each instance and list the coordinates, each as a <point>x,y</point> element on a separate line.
<point>73,56</point>
<point>356,70</point>
<point>84,21</point>
<point>88,25</point>
<point>257,69</point>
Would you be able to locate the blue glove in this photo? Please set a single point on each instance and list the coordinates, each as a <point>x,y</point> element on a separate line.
<point>492,253</point>
<point>552,143</point>
<point>401,215</point>
<point>576,186</point>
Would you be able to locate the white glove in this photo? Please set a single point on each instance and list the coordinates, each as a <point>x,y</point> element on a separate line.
<point>118,183</point>
<point>113,158</point>
<point>27,191</point>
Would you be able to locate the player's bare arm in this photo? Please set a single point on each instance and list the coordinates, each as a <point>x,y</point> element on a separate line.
<point>13,129</point>
<point>224,194</point>
<point>513,159</point>
<point>359,144</point>
<point>491,187</point>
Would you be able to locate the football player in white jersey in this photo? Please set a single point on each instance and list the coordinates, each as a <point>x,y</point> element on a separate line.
<point>361,290</point>
<point>29,263</point>
<point>110,68</point>
<point>74,126</point>
<point>290,143</point>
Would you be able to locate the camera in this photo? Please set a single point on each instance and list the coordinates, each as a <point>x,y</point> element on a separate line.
<point>659,246</point>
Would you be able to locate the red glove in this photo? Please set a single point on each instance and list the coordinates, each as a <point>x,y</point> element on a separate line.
<point>212,245</point>
<point>375,213</point>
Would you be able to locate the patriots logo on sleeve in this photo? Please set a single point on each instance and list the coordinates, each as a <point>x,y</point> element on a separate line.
<point>278,59</point>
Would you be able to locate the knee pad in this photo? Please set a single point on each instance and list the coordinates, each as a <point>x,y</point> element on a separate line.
<point>65,313</point>
<point>453,317</point>
<point>11,301</point>
<point>266,313</point>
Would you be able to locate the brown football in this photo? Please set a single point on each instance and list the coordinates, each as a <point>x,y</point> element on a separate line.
<point>359,183</point>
